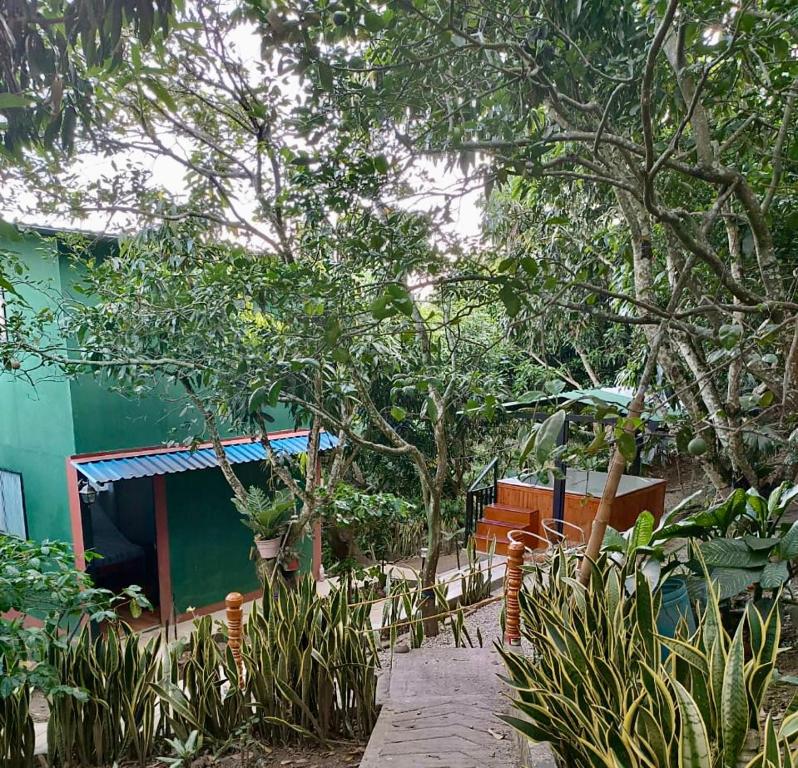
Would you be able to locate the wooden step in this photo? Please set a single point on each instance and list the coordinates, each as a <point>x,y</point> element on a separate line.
<point>483,544</point>
<point>517,516</point>
<point>494,529</point>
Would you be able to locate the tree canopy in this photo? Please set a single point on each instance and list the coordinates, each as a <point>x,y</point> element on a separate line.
<point>633,148</point>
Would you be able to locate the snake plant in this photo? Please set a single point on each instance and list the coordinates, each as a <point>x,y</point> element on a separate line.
<point>17,736</point>
<point>596,688</point>
<point>105,709</point>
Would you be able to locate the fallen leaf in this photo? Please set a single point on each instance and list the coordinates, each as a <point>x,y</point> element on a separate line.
<point>496,735</point>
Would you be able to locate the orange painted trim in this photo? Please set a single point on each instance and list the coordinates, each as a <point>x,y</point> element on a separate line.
<point>100,455</point>
<point>75,518</point>
<point>162,552</point>
<point>27,621</point>
<point>214,607</point>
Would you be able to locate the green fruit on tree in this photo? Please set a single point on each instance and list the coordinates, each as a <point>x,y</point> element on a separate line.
<point>340,18</point>
<point>697,446</point>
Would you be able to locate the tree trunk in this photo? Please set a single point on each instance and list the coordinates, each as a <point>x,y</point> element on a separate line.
<point>429,573</point>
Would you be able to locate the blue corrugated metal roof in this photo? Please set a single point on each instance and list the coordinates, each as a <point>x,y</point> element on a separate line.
<point>167,462</point>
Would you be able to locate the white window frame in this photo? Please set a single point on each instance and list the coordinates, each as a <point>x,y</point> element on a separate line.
<point>21,527</point>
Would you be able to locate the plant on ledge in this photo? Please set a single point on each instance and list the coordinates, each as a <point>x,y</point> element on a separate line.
<point>268,518</point>
<point>606,697</point>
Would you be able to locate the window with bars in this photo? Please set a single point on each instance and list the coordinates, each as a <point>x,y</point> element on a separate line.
<point>12,504</point>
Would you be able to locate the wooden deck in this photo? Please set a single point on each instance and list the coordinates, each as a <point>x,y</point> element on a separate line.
<point>524,504</point>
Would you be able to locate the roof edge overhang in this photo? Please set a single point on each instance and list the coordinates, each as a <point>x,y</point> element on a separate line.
<point>110,466</point>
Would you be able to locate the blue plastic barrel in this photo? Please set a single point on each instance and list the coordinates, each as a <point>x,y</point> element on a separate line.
<point>675,605</point>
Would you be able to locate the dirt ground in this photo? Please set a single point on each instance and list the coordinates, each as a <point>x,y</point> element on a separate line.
<point>337,755</point>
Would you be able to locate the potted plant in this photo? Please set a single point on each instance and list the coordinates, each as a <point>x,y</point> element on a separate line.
<point>267,518</point>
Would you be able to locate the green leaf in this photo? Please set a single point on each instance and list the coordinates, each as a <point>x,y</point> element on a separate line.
<point>627,446</point>
<point>373,21</point>
<point>341,355</point>
<point>642,532</point>
<point>731,553</point>
<point>729,335</point>
<point>15,101</point>
<point>509,297</point>
<point>732,581</point>
<point>774,575</point>
<point>734,701</point>
<point>788,547</point>
<point>258,399</point>
<point>332,330</point>
<point>547,436</point>
<point>382,308</point>
<point>161,93</point>
<point>694,749</point>
<point>398,414</point>
<point>325,75</point>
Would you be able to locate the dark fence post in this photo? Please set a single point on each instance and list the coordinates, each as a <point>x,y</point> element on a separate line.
<point>558,494</point>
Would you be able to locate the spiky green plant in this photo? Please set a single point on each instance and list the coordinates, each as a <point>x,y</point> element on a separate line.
<point>310,665</point>
<point>17,736</point>
<point>196,692</point>
<point>596,687</point>
<point>105,709</point>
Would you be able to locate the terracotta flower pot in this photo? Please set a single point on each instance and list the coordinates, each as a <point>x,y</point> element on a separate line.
<point>291,565</point>
<point>268,549</point>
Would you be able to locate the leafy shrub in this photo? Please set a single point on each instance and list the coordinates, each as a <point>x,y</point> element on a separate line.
<point>743,540</point>
<point>309,669</point>
<point>39,579</point>
<point>379,524</point>
<point>597,689</point>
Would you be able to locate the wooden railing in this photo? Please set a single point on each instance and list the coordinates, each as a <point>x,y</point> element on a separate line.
<point>479,494</point>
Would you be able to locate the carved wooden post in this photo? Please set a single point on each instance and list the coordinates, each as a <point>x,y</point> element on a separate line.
<point>233,603</point>
<point>512,585</point>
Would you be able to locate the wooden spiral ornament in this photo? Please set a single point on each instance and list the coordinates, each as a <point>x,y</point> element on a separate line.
<point>512,585</point>
<point>235,615</point>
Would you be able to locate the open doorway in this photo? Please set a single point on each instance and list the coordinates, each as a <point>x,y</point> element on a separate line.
<point>118,520</point>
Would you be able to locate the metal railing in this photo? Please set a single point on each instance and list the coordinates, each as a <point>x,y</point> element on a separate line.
<point>479,494</point>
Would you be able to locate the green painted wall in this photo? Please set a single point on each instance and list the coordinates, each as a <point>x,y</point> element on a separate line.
<point>41,425</point>
<point>209,547</point>
<point>36,432</point>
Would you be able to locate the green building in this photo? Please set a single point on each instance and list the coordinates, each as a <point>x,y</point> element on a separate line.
<point>81,463</point>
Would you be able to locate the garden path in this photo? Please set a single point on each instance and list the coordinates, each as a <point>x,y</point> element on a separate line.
<point>440,710</point>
